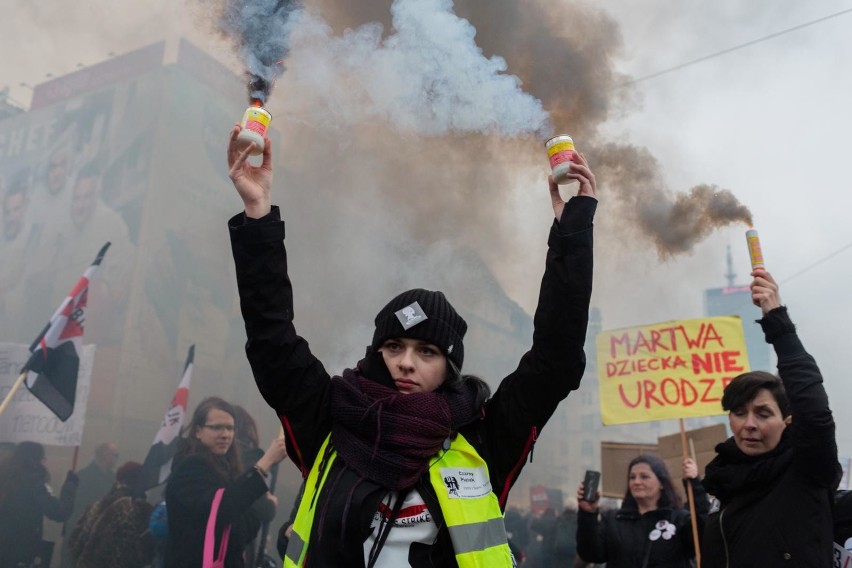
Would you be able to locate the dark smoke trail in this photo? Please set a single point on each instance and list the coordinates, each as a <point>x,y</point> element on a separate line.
<point>675,222</point>
<point>261,31</point>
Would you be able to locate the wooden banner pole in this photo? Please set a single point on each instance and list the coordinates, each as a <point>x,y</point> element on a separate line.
<point>691,499</point>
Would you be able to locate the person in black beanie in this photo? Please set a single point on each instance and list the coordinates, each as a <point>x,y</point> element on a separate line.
<point>774,480</point>
<point>407,460</point>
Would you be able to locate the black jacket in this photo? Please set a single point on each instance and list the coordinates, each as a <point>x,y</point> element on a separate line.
<point>783,517</point>
<point>22,514</point>
<point>189,495</point>
<point>296,385</point>
<point>621,537</point>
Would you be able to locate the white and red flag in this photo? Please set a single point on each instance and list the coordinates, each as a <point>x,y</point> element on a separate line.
<point>158,462</point>
<point>52,368</point>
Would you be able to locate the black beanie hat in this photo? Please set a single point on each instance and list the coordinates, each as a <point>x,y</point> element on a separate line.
<point>423,314</point>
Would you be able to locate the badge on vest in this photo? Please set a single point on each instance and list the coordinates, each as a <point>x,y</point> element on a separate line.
<point>466,483</point>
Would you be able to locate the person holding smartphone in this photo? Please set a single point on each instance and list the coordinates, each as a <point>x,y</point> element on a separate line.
<point>651,529</point>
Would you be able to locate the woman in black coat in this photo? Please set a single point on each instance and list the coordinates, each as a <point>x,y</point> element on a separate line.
<point>25,500</point>
<point>207,461</point>
<point>775,478</point>
<point>651,529</point>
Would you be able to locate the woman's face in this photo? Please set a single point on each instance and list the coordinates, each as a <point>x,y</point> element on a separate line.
<point>416,366</point>
<point>217,433</point>
<point>644,484</point>
<point>757,426</point>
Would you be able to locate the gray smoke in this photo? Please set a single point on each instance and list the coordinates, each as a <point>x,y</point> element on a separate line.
<point>426,77</point>
<point>260,29</point>
<point>563,55</point>
<point>675,222</point>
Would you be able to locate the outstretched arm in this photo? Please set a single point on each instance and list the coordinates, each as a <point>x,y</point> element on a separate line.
<point>812,427</point>
<point>553,367</point>
<point>289,377</point>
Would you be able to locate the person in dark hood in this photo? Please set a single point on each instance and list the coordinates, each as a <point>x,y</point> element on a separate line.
<point>774,479</point>
<point>407,461</point>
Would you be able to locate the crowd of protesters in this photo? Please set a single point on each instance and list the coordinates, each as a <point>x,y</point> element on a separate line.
<point>218,454</point>
<point>407,461</point>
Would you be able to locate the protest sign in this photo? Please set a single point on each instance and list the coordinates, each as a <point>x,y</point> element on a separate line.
<point>27,418</point>
<point>675,369</point>
<point>700,440</point>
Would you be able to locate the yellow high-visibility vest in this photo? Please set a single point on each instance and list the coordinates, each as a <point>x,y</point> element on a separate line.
<point>470,508</point>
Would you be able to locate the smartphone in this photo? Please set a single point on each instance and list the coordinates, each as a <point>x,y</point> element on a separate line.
<point>590,485</point>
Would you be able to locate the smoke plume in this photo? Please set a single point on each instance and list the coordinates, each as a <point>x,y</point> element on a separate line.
<point>434,113</point>
<point>260,29</point>
<point>427,77</point>
<point>417,68</point>
<point>674,221</point>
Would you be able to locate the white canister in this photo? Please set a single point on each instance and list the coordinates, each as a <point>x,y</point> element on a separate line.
<point>253,128</point>
<point>560,152</point>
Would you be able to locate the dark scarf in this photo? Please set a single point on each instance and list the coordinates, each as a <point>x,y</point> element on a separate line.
<point>387,436</point>
<point>732,472</point>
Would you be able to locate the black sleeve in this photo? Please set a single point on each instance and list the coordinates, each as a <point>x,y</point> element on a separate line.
<point>591,536</point>
<point>59,509</point>
<point>527,398</point>
<point>702,510</point>
<point>289,377</point>
<point>193,485</point>
<point>812,430</point>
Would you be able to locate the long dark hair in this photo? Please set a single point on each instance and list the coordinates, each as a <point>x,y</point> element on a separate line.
<point>668,495</point>
<point>245,427</point>
<point>229,466</point>
<point>23,465</point>
<point>456,382</point>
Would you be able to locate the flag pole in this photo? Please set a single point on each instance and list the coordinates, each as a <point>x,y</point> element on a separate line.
<point>264,529</point>
<point>691,498</point>
<point>8,400</point>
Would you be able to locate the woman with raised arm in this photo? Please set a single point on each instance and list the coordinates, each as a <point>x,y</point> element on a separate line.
<point>407,461</point>
<point>774,479</point>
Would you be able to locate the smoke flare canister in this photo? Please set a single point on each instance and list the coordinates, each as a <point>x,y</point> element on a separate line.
<point>253,128</point>
<point>754,251</point>
<point>560,151</point>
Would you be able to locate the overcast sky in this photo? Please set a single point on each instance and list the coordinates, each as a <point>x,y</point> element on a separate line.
<point>771,122</point>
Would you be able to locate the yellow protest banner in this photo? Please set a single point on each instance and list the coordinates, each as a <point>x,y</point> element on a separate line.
<point>674,369</point>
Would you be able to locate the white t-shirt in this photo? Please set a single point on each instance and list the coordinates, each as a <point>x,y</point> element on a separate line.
<point>414,524</point>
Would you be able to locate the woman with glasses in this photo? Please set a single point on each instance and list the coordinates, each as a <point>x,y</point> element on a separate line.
<point>208,460</point>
